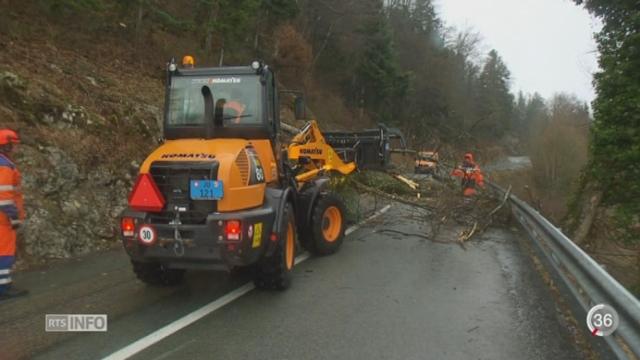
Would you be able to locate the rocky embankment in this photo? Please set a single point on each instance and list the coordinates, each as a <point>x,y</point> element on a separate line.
<point>85,127</point>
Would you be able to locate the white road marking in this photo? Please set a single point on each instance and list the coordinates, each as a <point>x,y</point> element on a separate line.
<point>168,330</point>
<point>375,215</point>
<point>302,257</point>
<point>179,324</point>
<point>175,350</point>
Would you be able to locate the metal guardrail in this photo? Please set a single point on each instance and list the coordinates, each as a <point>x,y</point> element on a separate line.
<point>587,281</point>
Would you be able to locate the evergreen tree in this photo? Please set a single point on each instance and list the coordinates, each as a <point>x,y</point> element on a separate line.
<point>281,10</point>
<point>537,115</point>
<point>227,25</point>
<point>424,17</point>
<point>519,115</point>
<point>381,84</point>
<point>495,102</point>
<point>615,148</point>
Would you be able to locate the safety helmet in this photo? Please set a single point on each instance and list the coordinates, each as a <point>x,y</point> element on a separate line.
<point>8,136</point>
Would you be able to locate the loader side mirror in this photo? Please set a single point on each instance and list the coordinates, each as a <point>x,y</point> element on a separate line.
<point>300,108</point>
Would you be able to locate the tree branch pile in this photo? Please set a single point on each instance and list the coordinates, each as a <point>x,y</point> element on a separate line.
<point>444,204</point>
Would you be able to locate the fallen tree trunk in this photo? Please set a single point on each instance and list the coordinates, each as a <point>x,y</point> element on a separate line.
<point>410,183</point>
<point>400,199</point>
<point>590,213</point>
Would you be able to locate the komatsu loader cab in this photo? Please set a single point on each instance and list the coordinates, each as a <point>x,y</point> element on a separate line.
<point>219,193</point>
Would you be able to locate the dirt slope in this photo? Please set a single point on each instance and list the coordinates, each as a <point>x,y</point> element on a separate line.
<point>85,121</point>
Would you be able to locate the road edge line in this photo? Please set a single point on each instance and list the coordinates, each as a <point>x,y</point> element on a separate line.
<point>355,227</point>
<point>177,325</point>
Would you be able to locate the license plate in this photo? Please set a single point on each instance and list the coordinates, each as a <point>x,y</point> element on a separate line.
<point>206,190</point>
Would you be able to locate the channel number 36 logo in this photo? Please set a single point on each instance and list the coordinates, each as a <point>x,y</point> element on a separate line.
<point>602,320</point>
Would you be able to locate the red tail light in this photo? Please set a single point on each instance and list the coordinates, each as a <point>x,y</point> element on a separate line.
<point>128,227</point>
<point>145,195</point>
<point>232,229</point>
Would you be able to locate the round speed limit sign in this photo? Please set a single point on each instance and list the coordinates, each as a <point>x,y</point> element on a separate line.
<point>602,320</point>
<point>147,234</point>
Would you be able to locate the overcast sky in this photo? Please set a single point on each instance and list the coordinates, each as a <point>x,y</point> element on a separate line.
<point>547,44</point>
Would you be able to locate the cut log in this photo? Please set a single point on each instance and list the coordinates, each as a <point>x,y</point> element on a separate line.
<point>412,184</point>
<point>589,215</point>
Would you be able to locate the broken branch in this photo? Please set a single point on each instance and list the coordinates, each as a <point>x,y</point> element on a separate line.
<point>368,189</point>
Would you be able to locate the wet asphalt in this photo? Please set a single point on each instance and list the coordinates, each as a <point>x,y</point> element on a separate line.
<point>382,296</point>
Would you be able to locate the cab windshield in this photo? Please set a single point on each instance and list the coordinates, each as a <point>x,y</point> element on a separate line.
<point>236,100</point>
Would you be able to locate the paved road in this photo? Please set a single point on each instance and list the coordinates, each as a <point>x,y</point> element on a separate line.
<point>383,296</point>
<point>510,163</point>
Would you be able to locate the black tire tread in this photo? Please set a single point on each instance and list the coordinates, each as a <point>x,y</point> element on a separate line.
<point>271,273</point>
<point>315,242</point>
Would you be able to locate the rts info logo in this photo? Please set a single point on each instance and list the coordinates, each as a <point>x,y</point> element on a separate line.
<point>76,322</point>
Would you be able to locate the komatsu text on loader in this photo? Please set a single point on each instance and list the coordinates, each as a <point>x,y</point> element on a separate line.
<point>222,192</point>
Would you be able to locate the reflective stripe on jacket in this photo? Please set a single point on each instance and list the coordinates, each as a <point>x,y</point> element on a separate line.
<point>6,262</point>
<point>470,176</point>
<point>11,200</point>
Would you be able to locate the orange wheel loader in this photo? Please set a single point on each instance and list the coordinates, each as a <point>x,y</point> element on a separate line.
<point>221,192</point>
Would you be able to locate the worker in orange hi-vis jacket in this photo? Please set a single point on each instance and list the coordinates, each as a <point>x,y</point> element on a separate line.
<point>470,174</point>
<point>11,212</point>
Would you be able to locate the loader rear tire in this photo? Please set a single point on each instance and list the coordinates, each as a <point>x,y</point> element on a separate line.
<point>274,272</point>
<point>327,225</point>
<point>156,274</point>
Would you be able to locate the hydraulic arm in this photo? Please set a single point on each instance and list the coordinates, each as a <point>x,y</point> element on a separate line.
<point>310,150</point>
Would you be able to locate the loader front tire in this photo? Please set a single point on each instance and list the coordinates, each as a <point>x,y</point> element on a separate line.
<point>327,225</point>
<point>274,272</point>
<point>156,274</point>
